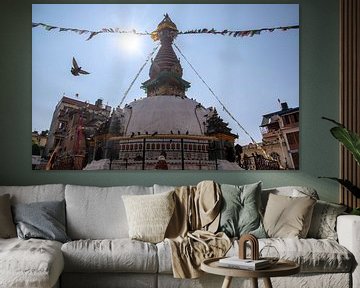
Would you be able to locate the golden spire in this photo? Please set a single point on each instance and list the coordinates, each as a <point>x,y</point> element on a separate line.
<point>165,24</point>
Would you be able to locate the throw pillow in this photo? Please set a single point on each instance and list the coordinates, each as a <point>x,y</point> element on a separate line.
<point>323,222</point>
<point>149,215</point>
<point>288,217</point>
<point>7,226</point>
<point>292,191</point>
<point>44,220</point>
<point>240,210</point>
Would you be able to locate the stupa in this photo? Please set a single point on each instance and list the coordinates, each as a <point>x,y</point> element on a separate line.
<point>166,128</point>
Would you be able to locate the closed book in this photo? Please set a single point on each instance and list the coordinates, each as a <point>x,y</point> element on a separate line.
<point>236,262</point>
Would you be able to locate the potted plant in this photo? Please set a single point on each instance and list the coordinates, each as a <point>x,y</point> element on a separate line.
<point>351,141</point>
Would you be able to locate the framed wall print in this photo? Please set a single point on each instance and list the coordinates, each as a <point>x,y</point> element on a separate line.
<point>144,87</point>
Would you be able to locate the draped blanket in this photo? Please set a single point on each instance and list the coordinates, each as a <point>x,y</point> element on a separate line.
<point>191,232</point>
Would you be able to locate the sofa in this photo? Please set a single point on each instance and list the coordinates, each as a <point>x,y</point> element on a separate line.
<point>99,253</point>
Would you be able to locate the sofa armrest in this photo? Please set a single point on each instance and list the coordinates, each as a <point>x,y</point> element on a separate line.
<point>348,230</point>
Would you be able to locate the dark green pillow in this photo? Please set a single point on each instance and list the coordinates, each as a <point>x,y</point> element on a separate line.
<point>43,220</point>
<point>240,210</point>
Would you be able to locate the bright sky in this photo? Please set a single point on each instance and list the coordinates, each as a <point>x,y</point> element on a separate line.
<point>248,74</point>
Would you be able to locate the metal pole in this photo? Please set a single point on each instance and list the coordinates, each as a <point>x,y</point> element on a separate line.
<point>143,156</point>
<point>182,154</point>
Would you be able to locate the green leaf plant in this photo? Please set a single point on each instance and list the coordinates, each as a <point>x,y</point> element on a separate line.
<point>351,141</point>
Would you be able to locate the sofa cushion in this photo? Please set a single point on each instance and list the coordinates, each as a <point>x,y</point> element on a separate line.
<point>98,213</point>
<point>109,280</point>
<point>313,255</point>
<point>43,220</point>
<point>164,257</point>
<point>323,222</point>
<point>287,216</point>
<point>116,255</point>
<point>7,226</point>
<point>149,215</point>
<point>163,188</point>
<point>291,191</point>
<point>240,212</point>
<point>30,263</point>
<point>34,193</point>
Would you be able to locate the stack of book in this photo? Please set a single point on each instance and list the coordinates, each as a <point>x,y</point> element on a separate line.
<point>248,264</point>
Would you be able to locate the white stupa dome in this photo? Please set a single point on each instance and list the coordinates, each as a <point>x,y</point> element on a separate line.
<point>165,115</point>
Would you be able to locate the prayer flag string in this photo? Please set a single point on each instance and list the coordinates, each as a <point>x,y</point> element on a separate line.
<point>92,33</point>
<point>239,33</point>
<point>233,33</point>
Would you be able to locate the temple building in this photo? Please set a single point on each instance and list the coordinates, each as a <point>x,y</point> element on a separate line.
<point>280,140</point>
<point>73,125</point>
<point>165,129</point>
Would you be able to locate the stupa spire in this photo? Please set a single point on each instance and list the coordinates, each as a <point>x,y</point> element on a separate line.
<point>165,71</point>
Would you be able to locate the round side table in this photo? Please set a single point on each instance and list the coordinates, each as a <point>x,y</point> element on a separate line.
<point>281,268</point>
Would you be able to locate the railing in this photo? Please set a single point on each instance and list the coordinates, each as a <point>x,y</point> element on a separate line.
<point>259,162</point>
<point>130,164</point>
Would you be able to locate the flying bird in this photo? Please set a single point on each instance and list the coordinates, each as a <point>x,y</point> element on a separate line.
<point>76,70</point>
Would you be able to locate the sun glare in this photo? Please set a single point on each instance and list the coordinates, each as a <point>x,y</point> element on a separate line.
<point>130,43</point>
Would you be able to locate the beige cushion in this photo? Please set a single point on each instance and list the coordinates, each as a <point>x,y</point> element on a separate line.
<point>293,191</point>
<point>287,217</point>
<point>149,215</point>
<point>7,226</point>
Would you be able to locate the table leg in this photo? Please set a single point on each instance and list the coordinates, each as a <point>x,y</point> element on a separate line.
<point>227,282</point>
<point>254,282</point>
<point>267,283</point>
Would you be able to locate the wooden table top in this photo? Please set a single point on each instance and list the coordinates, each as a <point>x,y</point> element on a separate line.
<point>281,268</point>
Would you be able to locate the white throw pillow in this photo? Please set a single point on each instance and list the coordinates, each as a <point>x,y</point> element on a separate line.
<point>149,215</point>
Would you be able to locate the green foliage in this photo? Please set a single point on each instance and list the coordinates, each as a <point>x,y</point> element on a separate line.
<point>351,141</point>
<point>347,184</point>
<point>355,211</point>
<point>348,138</point>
